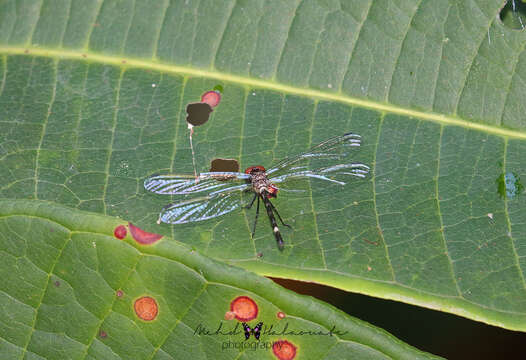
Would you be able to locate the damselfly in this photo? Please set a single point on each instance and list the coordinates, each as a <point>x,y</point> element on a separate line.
<point>218,193</point>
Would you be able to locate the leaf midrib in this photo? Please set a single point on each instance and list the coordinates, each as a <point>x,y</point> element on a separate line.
<point>127,62</point>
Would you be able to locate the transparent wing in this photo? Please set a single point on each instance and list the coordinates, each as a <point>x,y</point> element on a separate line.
<point>333,149</point>
<point>188,184</point>
<point>327,161</point>
<point>336,173</point>
<point>202,208</point>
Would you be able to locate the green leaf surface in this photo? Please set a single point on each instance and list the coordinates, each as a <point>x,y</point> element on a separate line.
<point>93,97</point>
<point>69,289</point>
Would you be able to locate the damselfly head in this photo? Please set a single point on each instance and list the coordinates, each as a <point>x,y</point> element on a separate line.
<point>253,169</point>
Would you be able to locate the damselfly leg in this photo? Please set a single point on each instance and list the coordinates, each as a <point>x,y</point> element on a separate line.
<point>256,219</point>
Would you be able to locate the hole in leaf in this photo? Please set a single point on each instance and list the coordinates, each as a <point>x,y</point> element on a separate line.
<point>224,165</point>
<point>513,14</point>
<point>198,113</point>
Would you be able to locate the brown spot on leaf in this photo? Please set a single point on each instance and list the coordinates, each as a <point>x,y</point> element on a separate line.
<point>103,334</point>
<point>371,242</point>
<point>143,237</point>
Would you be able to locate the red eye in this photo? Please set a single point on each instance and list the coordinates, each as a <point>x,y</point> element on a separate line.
<point>249,170</point>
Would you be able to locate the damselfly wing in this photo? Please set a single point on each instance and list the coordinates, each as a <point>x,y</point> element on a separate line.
<point>213,194</point>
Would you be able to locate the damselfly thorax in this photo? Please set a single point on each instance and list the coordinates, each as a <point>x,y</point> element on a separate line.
<point>260,183</point>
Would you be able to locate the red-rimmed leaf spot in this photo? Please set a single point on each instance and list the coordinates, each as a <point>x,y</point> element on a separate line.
<point>120,232</point>
<point>146,308</point>
<point>280,315</point>
<point>212,98</point>
<point>143,237</point>
<point>284,350</point>
<point>244,308</point>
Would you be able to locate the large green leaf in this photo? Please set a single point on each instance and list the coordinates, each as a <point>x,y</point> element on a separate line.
<point>92,101</point>
<point>69,289</point>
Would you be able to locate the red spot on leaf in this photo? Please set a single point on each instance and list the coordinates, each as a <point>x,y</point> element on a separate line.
<point>244,308</point>
<point>146,308</point>
<point>280,315</point>
<point>284,350</point>
<point>119,293</point>
<point>212,98</point>
<point>120,232</point>
<point>57,283</point>
<point>103,334</point>
<point>143,237</point>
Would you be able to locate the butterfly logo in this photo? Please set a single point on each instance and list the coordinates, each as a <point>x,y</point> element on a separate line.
<point>256,331</point>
